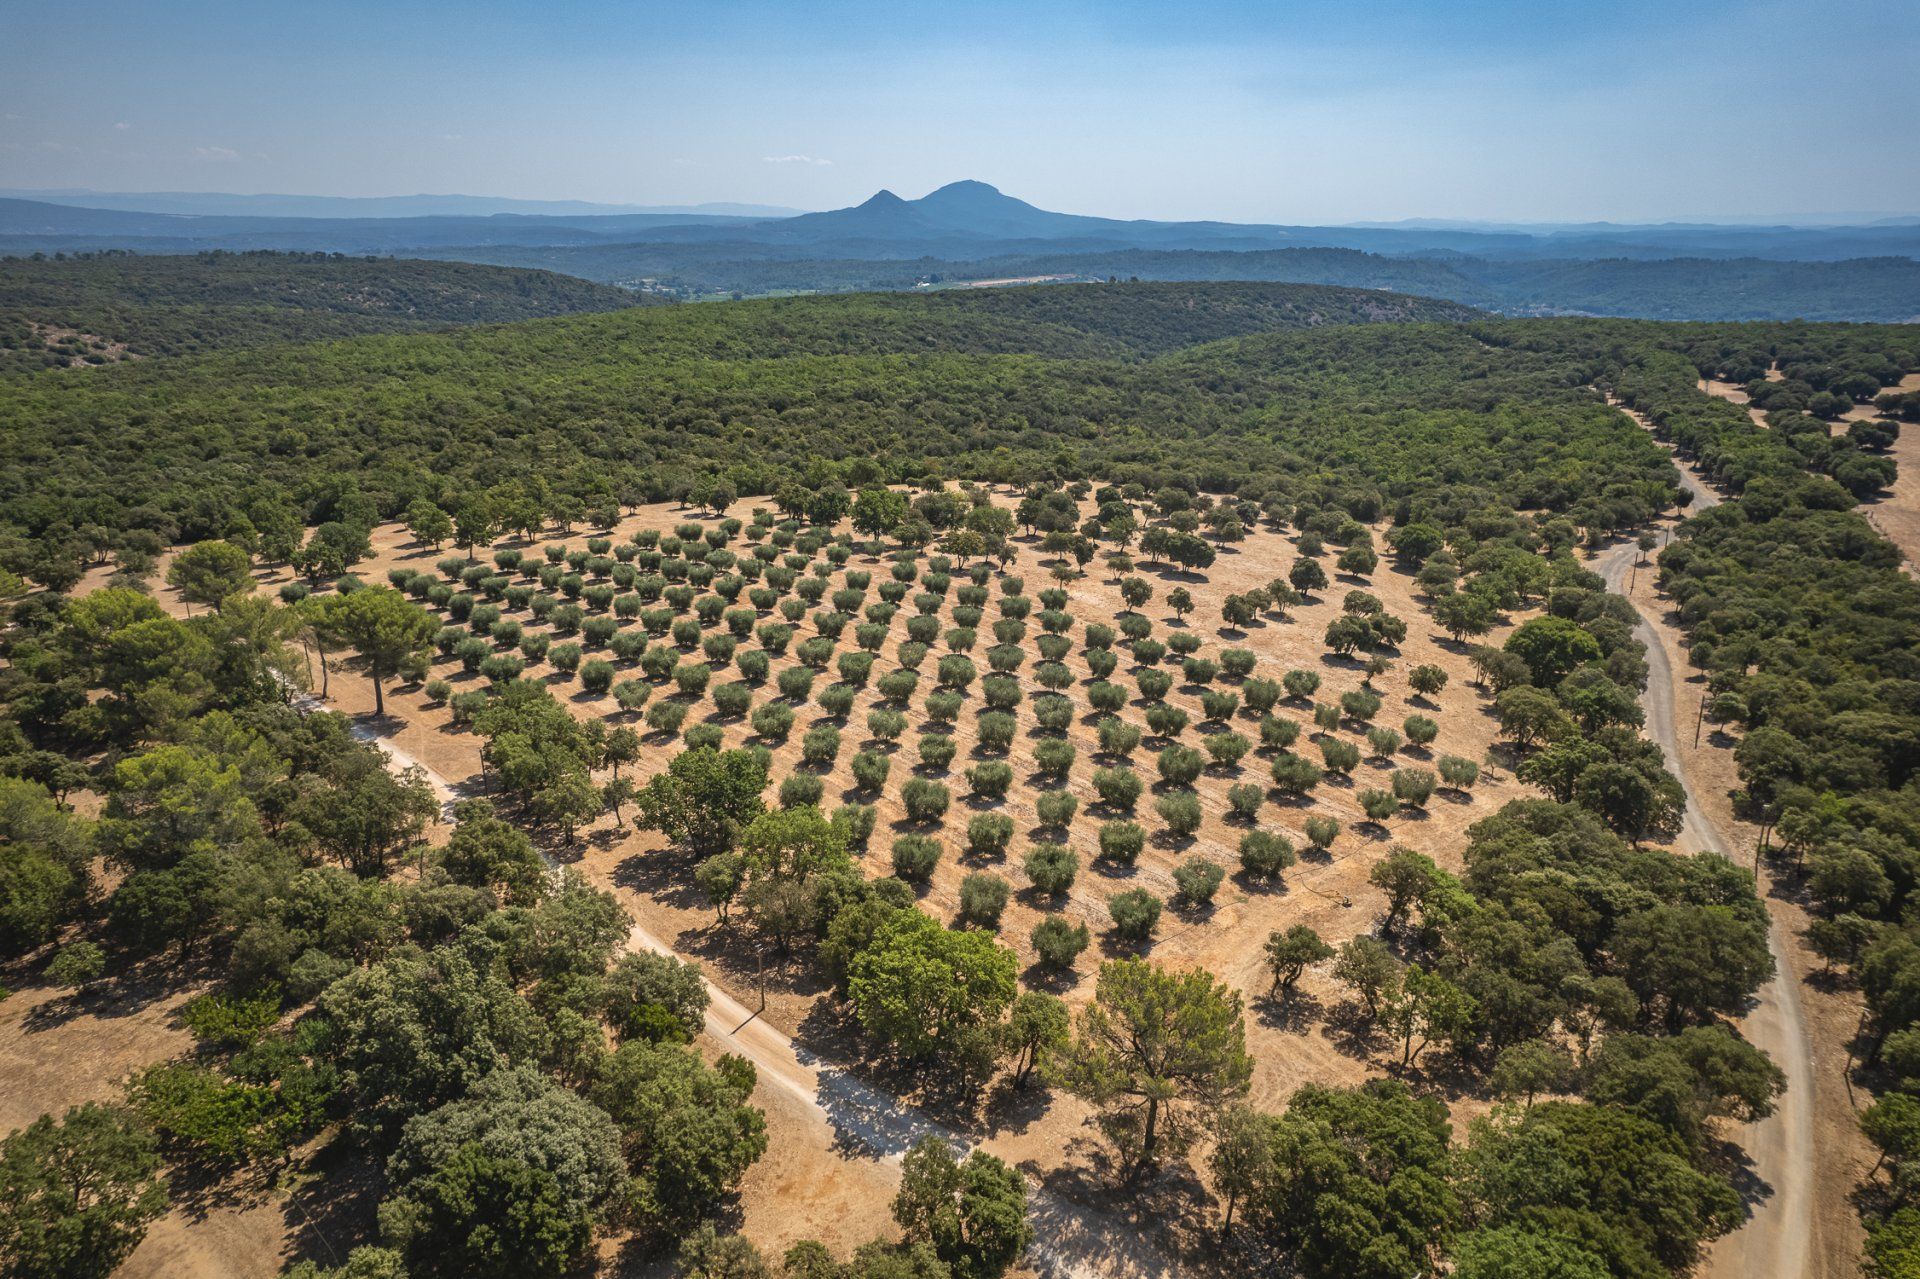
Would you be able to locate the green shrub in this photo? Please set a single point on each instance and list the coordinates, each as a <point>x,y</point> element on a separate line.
<point>1198,879</point>
<point>990,779</point>
<point>988,835</point>
<point>870,770</point>
<point>1378,805</point>
<point>1340,756</point>
<point>801,790</point>
<point>855,822</point>
<point>1321,832</point>
<point>1117,737</point>
<point>1180,765</point>
<point>1166,721</point>
<point>983,897</point>
<point>996,730</point>
<point>915,856</point>
<point>1413,786</point>
<point>1295,775</point>
<point>1056,807</point>
<point>1226,749</point>
<point>795,683</point>
<point>1058,943</point>
<point>1458,772</point>
<point>898,686</point>
<point>1000,693</point>
<point>1180,810</point>
<point>1051,868</point>
<point>1277,733</point>
<point>773,721</point>
<point>937,750</point>
<point>1264,854</point>
<point>1134,913</point>
<point>1122,842</point>
<point>1358,704</point>
<point>1117,787</point>
<point>885,724</point>
<point>924,800</point>
<point>1054,756</point>
<point>666,717</point>
<point>820,745</point>
<point>1053,713</point>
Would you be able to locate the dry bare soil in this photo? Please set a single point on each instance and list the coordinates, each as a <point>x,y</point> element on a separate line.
<point>816,1181</point>
<point>814,1184</point>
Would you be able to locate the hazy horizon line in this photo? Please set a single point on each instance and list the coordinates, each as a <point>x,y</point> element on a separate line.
<point>1834,218</point>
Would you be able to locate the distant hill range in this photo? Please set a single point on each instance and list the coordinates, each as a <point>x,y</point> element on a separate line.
<point>109,307</point>
<point>224,204</point>
<point>970,231</point>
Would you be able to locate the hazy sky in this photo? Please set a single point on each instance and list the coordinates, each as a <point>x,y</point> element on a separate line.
<point>1307,111</point>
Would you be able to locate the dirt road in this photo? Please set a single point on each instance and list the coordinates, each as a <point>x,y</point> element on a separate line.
<point>1777,1240</point>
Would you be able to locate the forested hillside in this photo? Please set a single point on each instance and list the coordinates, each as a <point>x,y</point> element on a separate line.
<point>101,308</point>
<point>637,405</point>
<point>1883,289</point>
<point>570,413</point>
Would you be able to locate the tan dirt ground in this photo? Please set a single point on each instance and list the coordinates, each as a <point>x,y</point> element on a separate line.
<point>805,1187</point>
<point>845,1199</point>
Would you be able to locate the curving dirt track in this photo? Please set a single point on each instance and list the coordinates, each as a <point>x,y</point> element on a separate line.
<point>1777,1239</point>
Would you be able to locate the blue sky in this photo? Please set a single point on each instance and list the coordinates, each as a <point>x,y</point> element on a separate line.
<point>1312,111</point>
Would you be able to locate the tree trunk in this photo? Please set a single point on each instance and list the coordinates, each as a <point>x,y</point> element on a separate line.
<point>379,698</point>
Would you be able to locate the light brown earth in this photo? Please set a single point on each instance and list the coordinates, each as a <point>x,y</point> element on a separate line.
<point>820,1177</point>
<point>808,1187</point>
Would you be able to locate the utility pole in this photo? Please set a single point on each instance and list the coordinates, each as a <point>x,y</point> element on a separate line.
<point>1700,719</point>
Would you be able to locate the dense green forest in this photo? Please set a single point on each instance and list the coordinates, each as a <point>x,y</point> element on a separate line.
<point>468,1027</point>
<point>79,310</point>
<point>639,404</point>
<point>1885,289</point>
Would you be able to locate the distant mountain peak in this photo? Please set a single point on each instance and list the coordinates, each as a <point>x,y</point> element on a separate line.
<point>883,199</point>
<point>965,186</point>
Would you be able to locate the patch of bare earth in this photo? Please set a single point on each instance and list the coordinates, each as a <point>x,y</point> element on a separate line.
<point>813,1183</point>
<point>79,349</point>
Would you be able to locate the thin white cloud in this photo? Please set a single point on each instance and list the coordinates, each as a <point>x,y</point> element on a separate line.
<point>792,159</point>
<point>122,125</point>
<point>224,155</point>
